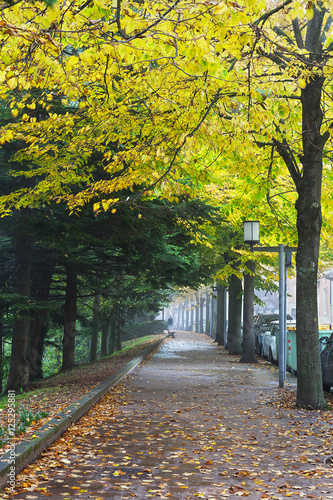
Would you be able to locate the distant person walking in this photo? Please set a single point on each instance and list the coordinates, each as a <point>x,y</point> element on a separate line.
<point>170,322</point>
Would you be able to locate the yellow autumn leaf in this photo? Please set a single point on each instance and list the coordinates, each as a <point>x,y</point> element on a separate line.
<point>309,12</point>
<point>9,135</point>
<point>12,83</point>
<point>105,204</point>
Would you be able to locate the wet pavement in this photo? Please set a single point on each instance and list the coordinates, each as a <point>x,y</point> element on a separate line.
<point>190,422</point>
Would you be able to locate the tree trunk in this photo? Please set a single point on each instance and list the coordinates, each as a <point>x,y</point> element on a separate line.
<point>104,340</point>
<point>41,283</point>
<point>111,341</point>
<point>187,316</point>
<point>19,362</point>
<point>95,329</point>
<point>201,322</point>
<point>68,350</point>
<point>234,344</point>
<point>118,345</point>
<point>309,219</point>
<point>107,332</point>
<point>111,333</point>
<point>248,347</point>
<point>197,313</point>
<point>208,299</point>
<point>213,318</point>
<point>220,315</point>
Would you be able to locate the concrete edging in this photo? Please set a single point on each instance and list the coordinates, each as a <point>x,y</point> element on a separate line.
<point>27,451</point>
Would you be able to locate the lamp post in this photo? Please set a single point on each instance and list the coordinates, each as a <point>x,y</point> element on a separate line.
<point>251,236</point>
<point>251,232</point>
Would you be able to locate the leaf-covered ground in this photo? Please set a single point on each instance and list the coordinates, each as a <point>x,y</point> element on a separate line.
<point>56,393</point>
<point>191,422</point>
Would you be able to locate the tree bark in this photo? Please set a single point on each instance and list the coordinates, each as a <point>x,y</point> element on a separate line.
<point>95,329</point>
<point>213,318</point>
<point>19,362</point>
<point>68,350</point>
<point>234,344</point>
<point>111,341</point>
<point>107,339</point>
<point>197,313</point>
<point>220,315</point>
<point>41,284</point>
<point>208,299</point>
<point>112,332</point>
<point>201,322</point>
<point>309,220</point>
<point>248,346</point>
<point>118,346</point>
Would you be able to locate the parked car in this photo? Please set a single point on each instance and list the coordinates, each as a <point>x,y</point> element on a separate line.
<point>326,357</point>
<point>262,324</point>
<point>269,344</point>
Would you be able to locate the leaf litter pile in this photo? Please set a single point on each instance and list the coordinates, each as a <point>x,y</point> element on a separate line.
<point>188,426</point>
<point>54,394</point>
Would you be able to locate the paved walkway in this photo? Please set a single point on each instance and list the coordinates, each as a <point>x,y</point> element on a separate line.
<point>192,422</point>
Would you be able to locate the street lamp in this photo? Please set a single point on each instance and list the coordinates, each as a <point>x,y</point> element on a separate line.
<point>251,236</point>
<point>251,232</point>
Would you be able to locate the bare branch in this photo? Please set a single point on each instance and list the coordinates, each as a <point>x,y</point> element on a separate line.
<point>281,33</point>
<point>298,34</point>
<point>312,39</point>
<point>262,19</point>
<point>288,157</point>
<point>145,30</point>
<point>82,7</point>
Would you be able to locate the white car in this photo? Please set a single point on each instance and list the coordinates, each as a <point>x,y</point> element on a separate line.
<point>269,350</point>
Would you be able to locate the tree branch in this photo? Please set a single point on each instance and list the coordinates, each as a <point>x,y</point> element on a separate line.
<point>262,19</point>
<point>88,2</point>
<point>281,33</point>
<point>190,134</point>
<point>312,39</point>
<point>298,34</point>
<point>288,157</point>
<point>145,30</point>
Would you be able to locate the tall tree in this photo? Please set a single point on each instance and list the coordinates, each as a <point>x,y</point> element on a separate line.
<point>234,344</point>
<point>70,308</point>
<point>19,365</point>
<point>41,278</point>
<point>248,347</point>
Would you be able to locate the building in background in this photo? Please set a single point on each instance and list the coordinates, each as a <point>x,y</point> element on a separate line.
<point>325,299</point>
<point>271,300</point>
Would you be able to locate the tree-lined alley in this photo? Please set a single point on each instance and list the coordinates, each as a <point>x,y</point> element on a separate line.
<point>191,423</point>
<point>229,102</point>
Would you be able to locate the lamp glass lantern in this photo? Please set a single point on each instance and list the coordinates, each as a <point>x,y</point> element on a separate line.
<point>251,232</point>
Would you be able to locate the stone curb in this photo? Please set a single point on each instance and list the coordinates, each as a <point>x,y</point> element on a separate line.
<point>27,451</point>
